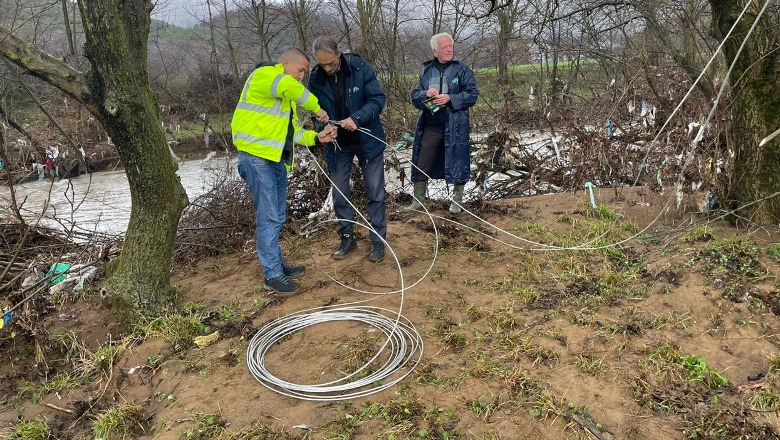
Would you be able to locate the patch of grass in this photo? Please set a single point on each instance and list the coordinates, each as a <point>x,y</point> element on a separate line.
<point>698,234</point>
<point>61,381</point>
<point>554,334</point>
<point>505,317</point>
<point>669,361</point>
<point>125,420</point>
<point>773,250</point>
<point>484,407</point>
<point>29,430</point>
<point>179,330</point>
<point>521,347</point>
<point>206,426</point>
<point>568,219</point>
<point>675,319</point>
<point>356,359</point>
<point>592,365</point>
<point>603,212</point>
<point>528,295</point>
<point>439,275</point>
<point>529,227</point>
<point>767,398</point>
<point>451,334</point>
<point>729,259</point>
<point>475,312</point>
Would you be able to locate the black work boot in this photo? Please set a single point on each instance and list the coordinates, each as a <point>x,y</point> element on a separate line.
<point>293,271</point>
<point>282,285</point>
<point>348,244</point>
<point>377,253</point>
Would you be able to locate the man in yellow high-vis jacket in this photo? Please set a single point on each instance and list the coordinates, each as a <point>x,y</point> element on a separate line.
<point>265,130</point>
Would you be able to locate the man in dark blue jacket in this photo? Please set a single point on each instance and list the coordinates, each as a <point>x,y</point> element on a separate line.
<point>445,92</point>
<point>347,88</point>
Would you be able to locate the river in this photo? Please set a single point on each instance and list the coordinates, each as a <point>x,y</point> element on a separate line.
<point>100,202</point>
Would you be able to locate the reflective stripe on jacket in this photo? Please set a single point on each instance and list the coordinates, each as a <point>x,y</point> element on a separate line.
<point>262,116</point>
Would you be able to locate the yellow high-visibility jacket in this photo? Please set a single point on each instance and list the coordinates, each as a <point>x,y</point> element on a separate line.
<point>262,116</point>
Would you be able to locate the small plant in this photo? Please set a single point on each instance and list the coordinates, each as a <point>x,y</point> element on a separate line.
<point>484,407</point>
<point>702,233</point>
<point>527,295</point>
<point>475,313</point>
<point>697,369</point>
<point>773,250</point>
<point>29,430</point>
<point>603,212</point>
<point>176,329</point>
<point>529,227</point>
<point>592,365</point>
<point>59,382</point>
<point>768,397</point>
<point>206,426</point>
<point>120,421</point>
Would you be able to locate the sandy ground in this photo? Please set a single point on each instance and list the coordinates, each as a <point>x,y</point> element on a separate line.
<point>482,336</point>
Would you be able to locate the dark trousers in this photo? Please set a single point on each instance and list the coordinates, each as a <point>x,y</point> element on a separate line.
<point>431,151</point>
<point>374,178</point>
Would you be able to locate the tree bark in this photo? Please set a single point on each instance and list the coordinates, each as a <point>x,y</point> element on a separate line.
<point>117,35</point>
<point>755,110</point>
<point>117,92</point>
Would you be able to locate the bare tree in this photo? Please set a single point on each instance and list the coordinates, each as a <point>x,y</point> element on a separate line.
<point>117,92</point>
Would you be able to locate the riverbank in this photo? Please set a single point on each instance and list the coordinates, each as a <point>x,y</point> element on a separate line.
<point>639,323</point>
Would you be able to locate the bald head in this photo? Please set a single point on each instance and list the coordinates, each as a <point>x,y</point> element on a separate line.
<point>295,62</point>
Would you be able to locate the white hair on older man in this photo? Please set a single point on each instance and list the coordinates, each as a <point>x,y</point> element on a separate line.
<point>435,39</point>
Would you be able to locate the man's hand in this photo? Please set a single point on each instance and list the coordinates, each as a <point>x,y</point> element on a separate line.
<point>441,99</point>
<point>431,92</point>
<point>327,134</point>
<point>349,124</point>
<point>322,116</point>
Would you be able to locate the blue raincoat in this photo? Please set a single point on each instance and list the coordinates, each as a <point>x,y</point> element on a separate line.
<point>455,166</point>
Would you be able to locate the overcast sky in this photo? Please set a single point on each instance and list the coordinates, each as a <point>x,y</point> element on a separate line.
<point>183,13</point>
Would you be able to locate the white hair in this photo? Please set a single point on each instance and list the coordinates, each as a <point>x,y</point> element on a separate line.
<point>435,39</point>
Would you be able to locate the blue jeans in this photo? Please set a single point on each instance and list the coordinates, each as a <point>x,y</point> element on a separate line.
<point>267,182</point>
<point>374,178</point>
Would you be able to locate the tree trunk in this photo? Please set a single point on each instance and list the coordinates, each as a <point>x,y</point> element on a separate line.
<point>755,110</point>
<point>504,34</point>
<point>116,35</point>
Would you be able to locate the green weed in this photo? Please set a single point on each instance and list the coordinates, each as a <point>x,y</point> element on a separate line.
<point>206,426</point>
<point>773,250</point>
<point>61,381</point>
<point>29,430</point>
<point>124,420</point>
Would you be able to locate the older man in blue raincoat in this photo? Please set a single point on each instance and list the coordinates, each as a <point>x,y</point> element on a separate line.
<point>445,92</point>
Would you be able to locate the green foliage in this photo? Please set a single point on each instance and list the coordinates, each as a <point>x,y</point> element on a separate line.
<point>59,382</point>
<point>29,430</point>
<point>603,212</point>
<point>124,420</point>
<point>179,330</point>
<point>773,250</point>
<point>206,426</point>
<point>701,233</point>
<point>767,398</point>
<point>697,369</point>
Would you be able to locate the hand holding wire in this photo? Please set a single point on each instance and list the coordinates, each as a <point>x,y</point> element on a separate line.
<point>322,116</point>
<point>349,124</point>
<point>328,134</point>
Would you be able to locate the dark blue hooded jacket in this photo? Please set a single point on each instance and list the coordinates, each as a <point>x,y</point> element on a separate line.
<point>455,166</point>
<point>365,101</point>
